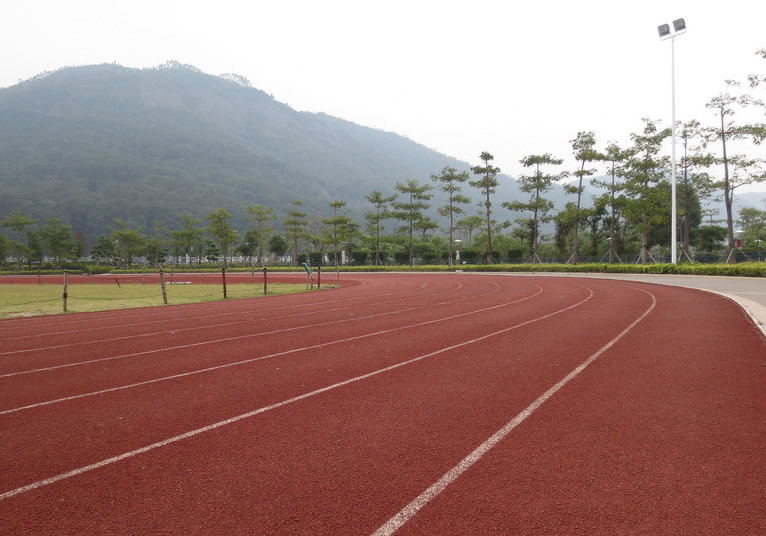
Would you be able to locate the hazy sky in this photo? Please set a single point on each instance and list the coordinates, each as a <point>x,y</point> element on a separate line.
<point>509,77</point>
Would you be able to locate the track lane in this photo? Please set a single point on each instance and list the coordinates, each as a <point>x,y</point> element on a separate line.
<point>330,487</point>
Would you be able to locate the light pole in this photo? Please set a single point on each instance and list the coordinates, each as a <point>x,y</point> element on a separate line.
<point>679,26</point>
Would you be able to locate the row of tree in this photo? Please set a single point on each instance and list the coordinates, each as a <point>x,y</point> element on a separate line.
<point>632,216</point>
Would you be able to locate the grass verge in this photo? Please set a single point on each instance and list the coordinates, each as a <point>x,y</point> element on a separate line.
<point>35,300</point>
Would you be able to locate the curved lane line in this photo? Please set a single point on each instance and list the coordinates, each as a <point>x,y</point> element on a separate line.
<point>164,318</point>
<point>409,511</point>
<point>195,328</point>
<point>192,433</point>
<point>228,339</point>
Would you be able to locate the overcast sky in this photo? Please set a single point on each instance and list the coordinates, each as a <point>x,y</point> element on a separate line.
<point>509,77</point>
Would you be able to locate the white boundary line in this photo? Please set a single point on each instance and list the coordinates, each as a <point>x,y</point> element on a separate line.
<point>224,339</point>
<point>192,433</point>
<point>254,359</point>
<point>404,515</point>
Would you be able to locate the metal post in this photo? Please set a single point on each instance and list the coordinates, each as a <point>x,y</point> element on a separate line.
<point>162,284</point>
<point>66,287</point>
<point>223,277</point>
<point>673,231</point>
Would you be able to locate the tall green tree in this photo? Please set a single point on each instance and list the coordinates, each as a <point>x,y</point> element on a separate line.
<point>645,207</point>
<point>410,210</point>
<point>584,149</point>
<point>449,181</point>
<point>752,221</point>
<point>25,225</point>
<point>467,225</point>
<point>536,185</point>
<point>221,229</point>
<point>694,183</point>
<point>129,239</point>
<point>339,228</point>
<point>487,183</point>
<point>190,234</point>
<point>260,215</point>
<point>105,250</point>
<point>738,170</point>
<point>615,157</point>
<point>278,245</point>
<point>295,225</point>
<point>57,238</point>
<point>379,213</point>
<point>156,244</point>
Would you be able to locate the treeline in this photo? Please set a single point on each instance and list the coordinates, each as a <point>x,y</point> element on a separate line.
<point>630,221</point>
<point>627,223</point>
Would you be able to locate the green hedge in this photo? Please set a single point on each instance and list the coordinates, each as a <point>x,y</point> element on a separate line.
<point>743,269</point>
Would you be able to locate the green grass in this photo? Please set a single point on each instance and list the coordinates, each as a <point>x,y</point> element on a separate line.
<point>34,300</point>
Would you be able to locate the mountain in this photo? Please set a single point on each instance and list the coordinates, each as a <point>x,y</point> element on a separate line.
<point>93,143</point>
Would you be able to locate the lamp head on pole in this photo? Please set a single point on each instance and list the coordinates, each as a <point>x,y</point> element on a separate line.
<point>679,26</point>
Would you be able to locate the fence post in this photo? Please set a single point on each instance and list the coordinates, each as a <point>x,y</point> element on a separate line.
<point>162,284</point>
<point>265,284</point>
<point>319,277</point>
<point>223,277</point>
<point>66,287</point>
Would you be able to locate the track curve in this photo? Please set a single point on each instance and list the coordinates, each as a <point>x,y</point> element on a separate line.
<point>549,405</point>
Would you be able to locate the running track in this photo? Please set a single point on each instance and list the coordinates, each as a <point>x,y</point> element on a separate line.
<point>412,404</point>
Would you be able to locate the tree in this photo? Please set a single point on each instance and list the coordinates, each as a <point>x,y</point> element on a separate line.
<point>467,226</point>
<point>189,234</point>
<point>487,184</point>
<point>615,156</point>
<point>104,250</point>
<point>752,221</point>
<point>295,226</point>
<point>277,245</point>
<point>694,184</point>
<point>339,230</point>
<point>260,215</point>
<point>724,105</point>
<point>381,212</point>
<point>643,170</point>
<point>710,237</point>
<point>411,210</point>
<point>536,185</point>
<point>249,245</point>
<point>57,238</point>
<point>16,221</point>
<point>156,244</point>
<point>584,148</point>
<point>129,240</point>
<point>221,229</point>
<point>449,181</point>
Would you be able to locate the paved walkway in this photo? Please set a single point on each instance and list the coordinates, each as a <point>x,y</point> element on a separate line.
<point>749,292</point>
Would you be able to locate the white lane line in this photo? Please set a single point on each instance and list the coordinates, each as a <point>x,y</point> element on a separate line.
<point>195,328</point>
<point>237,337</point>
<point>164,318</point>
<point>404,515</point>
<point>261,358</point>
<point>192,433</point>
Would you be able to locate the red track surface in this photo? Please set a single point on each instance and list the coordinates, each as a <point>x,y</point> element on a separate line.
<point>415,404</point>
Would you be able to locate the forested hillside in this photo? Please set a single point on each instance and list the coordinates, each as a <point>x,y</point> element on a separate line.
<point>90,144</point>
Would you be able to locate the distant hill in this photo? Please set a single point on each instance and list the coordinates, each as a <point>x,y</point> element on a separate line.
<point>89,144</point>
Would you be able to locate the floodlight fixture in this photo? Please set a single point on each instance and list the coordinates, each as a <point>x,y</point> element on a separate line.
<point>664,30</point>
<point>679,25</point>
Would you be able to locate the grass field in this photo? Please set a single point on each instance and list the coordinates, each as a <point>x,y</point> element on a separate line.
<point>34,300</point>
